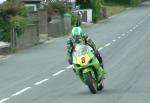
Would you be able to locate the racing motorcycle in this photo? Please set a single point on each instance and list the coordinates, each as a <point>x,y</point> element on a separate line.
<point>88,68</point>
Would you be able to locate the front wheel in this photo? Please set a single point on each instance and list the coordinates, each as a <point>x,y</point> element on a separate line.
<point>100,87</point>
<point>91,83</point>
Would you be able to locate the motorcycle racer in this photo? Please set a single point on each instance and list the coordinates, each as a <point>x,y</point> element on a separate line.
<point>78,36</point>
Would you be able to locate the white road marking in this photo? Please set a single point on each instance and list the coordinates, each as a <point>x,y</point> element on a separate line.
<point>4,57</point>
<point>59,72</point>
<point>3,100</point>
<point>1,56</point>
<point>139,22</point>
<point>42,81</point>
<point>142,21</point>
<point>100,49</point>
<point>119,37</point>
<point>131,30</point>
<point>114,40</point>
<point>111,16</point>
<point>128,8</point>
<point>21,91</point>
<point>127,32</point>
<point>123,34</point>
<point>108,44</point>
<point>70,66</point>
<point>134,27</point>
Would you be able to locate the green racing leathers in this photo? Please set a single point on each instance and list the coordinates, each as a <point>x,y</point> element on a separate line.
<point>86,40</point>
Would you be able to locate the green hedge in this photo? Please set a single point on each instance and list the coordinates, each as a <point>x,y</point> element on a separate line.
<point>73,19</point>
<point>119,1</point>
<point>129,2</point>
<point>96,10</point>
<point>19,24</point>
<point>5,29</point>
<point>135,2</point>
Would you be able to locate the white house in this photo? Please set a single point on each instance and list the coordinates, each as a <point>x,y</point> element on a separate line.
<point>32,5</point>
<point>1,1</point>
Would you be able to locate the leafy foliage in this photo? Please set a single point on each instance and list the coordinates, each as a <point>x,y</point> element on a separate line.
<point>73,19</point>
<point>96,10</point>
<point>94,5</point>
<point>130,2</point>
<point>19,23</point>
<point>135,2</point>
<point>5,29</point>
<point>12,13</point>
<point>84,3</point>
<point>10,8</point>
<point>58,8</point>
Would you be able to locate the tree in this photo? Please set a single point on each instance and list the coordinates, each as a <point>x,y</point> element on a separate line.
<point>94,5</point>
<point>12,14</point>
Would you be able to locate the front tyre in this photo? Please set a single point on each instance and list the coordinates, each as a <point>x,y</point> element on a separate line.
<point>91,83</point>
<point>100,87</point>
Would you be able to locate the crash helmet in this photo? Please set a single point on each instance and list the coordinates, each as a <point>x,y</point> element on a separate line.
<point>77,34</point>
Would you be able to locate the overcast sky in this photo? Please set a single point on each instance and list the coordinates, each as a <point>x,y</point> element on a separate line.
<point>2,1</point>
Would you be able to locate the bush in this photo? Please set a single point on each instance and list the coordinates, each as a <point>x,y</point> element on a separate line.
<point>5,27</point>
<point>135,2</point>
<point>84,3</point>
<point>58,8</point>
<point>94,5</point>
<point>96,10</point>
<point>73,19</point>
<point>12,14</point>
<point>8,8</point>
<point>19,24</point>
<point>119,1</point>
<point>23,11</point>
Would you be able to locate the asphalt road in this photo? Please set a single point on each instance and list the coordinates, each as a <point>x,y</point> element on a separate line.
<point>40,74</point>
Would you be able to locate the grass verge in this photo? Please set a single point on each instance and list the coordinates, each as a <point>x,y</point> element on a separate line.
<point>113,9</point>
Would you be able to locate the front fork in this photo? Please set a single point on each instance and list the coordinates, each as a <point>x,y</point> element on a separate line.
<point>87,70</point>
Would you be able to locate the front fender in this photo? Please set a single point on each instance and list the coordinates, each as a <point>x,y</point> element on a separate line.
<point>89,70</point>
<point>86,70</point>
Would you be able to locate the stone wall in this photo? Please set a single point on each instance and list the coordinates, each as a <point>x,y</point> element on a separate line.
<point>59,26</point>
<point>55,27</point>
<point>43,21</point>
<point>29,38</point>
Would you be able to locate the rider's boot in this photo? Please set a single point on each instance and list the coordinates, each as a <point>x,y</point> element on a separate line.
<point>99,58</point>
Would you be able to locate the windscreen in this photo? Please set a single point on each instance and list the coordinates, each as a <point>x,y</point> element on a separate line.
<point>80,50</point>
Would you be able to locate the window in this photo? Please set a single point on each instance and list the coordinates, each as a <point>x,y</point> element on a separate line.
<point>31,7</point>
